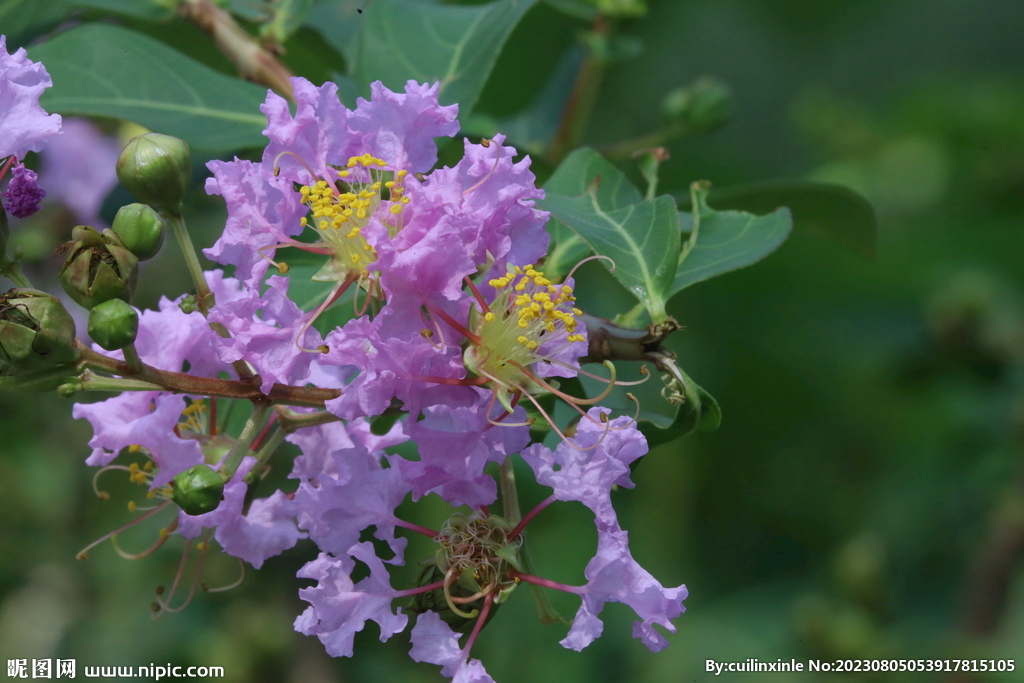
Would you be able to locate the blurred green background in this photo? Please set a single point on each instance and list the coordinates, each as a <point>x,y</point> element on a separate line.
<point>864,497</point>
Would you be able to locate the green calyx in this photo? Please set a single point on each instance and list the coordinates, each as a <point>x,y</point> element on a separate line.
<point>475,559</point>
<point>36,332</point>
<point>113,324</point>
<point>141,230</point>
<point>157,169</point>
<point>198,490</point>
<point>98,267</point>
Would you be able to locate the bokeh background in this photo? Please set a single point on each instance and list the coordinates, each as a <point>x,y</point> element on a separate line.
<point>864,496</point>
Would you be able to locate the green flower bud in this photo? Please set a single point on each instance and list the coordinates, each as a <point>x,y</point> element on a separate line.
<point>198,490</point>
<point>141,230</point>
<point>702,106</point>
<point>36,332</point>
<point>157,169</point>
<point>113,324</point>
<point>98,267</point>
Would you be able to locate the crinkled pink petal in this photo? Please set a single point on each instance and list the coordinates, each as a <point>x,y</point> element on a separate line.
<point>614,576</point>
<point>400,128</point>
<point>336,509</point>
<point>434,642</point>
<point>339,608</point>
<point>145,419</point>
<point>24,126</point>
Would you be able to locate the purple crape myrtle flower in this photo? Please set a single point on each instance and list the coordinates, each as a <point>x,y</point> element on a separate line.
<point>23,194</point>
<point>24,126</point>
<point>79,168</point>
<point>585,471</point>
<point>267,529</point>
<point>339,607</point>
<point>394,129</point>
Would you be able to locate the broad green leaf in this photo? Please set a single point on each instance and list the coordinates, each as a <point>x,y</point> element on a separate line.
<point>566,250</point>
<point>338,21</point>
<point>825,209</point>
<point>454,44</point>
<point>578,171</point>
<point>103,70</point>
<point>722,241</point>
<point>596,201</point>
<point>21,20</point>
<point>153,10</point>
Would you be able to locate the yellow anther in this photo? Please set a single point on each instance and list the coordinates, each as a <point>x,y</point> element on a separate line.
<point>282,268</point>
<point>150,495</point>
<point>134,448</point>
<point>131,506</point>
<point>396,209</point>
<point>164,533</point>
<point>489,316</point>
<point>133,468</point>
<point>148,466</point>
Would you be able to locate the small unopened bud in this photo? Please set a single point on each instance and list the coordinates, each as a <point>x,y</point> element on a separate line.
<point>36,332</point>
<point>98,267</point>
<point>702,106</point>
<point>113,324</point>
<point>141,230</point>
<point>198,490</point>
<point>157,169</point>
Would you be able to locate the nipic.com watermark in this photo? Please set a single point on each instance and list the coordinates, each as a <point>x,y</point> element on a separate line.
<point>66,668</point>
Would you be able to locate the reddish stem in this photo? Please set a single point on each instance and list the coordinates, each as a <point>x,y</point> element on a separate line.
<point>416,527</point>
<point>547,583</point>
<point>530,515</point>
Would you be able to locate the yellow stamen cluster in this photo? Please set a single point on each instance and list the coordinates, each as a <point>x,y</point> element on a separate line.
<point>537,310</point>
<point>341,216</point>
<point>195,420</point>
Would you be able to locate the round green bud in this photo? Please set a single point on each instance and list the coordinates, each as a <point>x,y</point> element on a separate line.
<point>157,169</point>
<point>141,230</point>
<point>702,106</point>
<point>113,324</point>
<point>98,267</point>
<point>198,490</point>
<point>36,332</point>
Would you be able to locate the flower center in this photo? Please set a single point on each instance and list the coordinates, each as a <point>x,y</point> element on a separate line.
<point>341,212</point>
<point>528,311</point>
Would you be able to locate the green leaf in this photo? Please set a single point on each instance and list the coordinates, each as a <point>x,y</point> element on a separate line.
<point>103,70</point>
<point>456,45</point>
<point>825,209</point>
<point>578,171</point>
<point>153,10</point>
<point>722,241</point>
<point>23,19</point>
<point>596,201</point>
